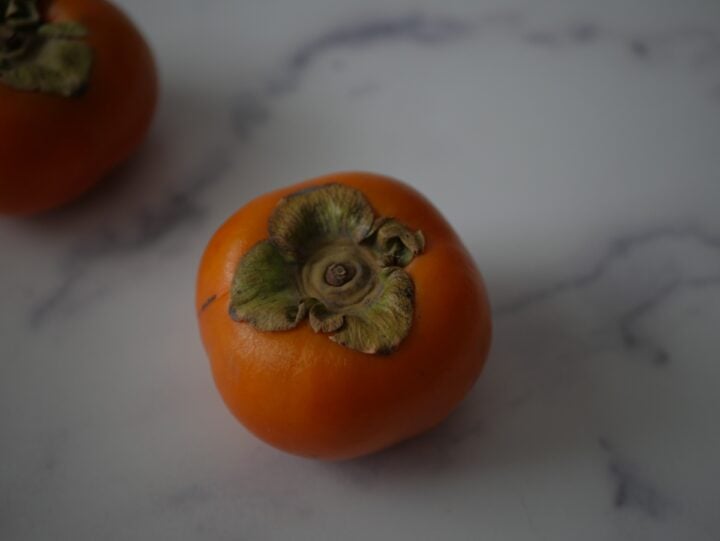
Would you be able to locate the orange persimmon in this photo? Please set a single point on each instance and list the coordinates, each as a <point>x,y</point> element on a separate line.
<point>78,89</point>
<point>399,321</point>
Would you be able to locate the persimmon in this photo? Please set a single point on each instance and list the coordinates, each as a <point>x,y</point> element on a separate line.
<point>398,317</point>
<point>78,88</point>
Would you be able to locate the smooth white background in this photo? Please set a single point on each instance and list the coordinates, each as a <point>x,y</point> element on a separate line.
<point>574,145</point>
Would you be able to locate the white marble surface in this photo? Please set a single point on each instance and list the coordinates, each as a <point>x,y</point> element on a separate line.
<point>576,148</point>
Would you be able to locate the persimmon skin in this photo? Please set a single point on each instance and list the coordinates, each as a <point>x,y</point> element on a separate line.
<point>299,391</point>
<point>53,149</point>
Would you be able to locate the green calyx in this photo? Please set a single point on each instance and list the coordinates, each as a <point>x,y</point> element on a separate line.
<point>42,57</point>
<point>330,259</point>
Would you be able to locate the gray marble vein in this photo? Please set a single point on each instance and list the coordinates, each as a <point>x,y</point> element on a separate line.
<point>416,27</point>
<point>141,231</point>
<point>632,490</point>
<point>633,308</point>
<point>628,320</point>
<point>617,250</point>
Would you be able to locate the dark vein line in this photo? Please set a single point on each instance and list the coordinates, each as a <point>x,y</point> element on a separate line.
<point>617,250</point>
<point>417,28</point>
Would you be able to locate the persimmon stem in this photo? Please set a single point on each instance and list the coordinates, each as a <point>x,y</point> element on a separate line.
<point>338,274</point>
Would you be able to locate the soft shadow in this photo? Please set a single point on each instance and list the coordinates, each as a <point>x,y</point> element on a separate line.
<point>187,132</point>
<point>542,400</point>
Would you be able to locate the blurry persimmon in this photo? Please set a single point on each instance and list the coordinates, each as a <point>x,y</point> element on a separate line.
<point>78,89</point>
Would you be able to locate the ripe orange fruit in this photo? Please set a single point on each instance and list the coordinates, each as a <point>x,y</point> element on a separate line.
<point>399,321</point>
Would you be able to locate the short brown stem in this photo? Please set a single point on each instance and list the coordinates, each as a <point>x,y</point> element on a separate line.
<point>339,274</point>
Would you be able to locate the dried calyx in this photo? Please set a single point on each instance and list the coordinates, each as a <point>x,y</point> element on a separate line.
<point>329,258</point>
<point>41,56</point>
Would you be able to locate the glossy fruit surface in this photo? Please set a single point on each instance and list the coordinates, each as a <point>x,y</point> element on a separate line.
<point>303,393</point>
<point>54,147</point>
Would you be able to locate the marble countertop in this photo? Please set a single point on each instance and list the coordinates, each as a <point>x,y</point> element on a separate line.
<point>574,145</point>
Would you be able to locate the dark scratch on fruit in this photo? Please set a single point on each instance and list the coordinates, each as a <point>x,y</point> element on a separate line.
<point>208,302</point>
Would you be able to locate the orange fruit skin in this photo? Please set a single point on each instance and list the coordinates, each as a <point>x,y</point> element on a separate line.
<point>53,149</point>
<point>301,392</point>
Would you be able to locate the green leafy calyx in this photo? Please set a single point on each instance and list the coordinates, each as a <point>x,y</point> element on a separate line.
<point>330,259</point>
<point>39,56</point>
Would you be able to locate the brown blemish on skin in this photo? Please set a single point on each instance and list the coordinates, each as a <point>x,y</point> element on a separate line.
<point>208,302</point>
